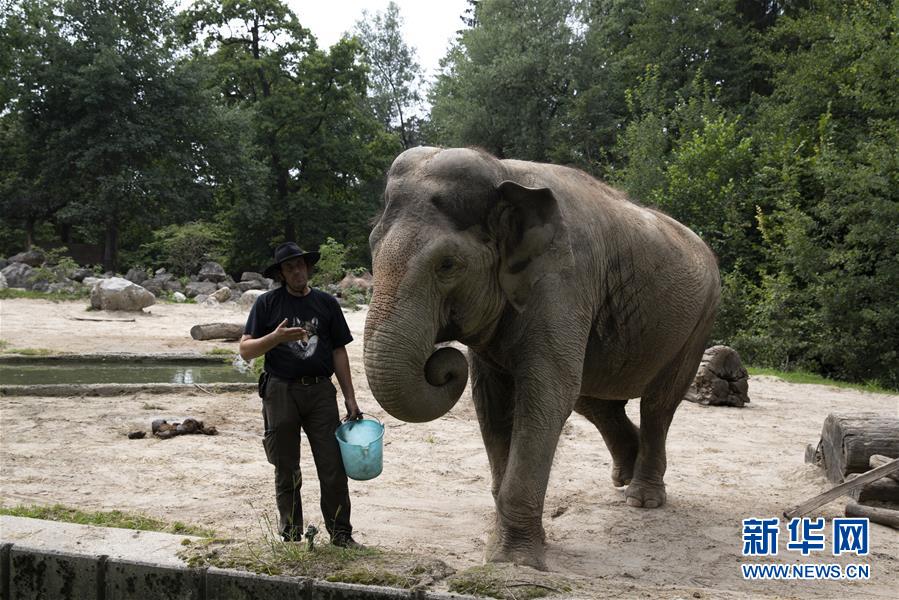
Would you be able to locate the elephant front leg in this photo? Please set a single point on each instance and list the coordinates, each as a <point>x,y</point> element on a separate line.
<point>493,392</point>
<point>519,536</point>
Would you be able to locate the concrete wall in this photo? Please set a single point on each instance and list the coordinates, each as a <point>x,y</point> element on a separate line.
<point>42,574</point>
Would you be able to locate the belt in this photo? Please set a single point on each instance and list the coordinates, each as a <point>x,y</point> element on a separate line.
<point>310,379</point>
<point>304,380</point>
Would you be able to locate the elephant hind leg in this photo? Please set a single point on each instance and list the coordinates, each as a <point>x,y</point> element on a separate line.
<point>657,406</point>
<point>618,431</point>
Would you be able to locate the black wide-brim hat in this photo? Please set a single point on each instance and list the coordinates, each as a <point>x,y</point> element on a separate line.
<point>286,251</point>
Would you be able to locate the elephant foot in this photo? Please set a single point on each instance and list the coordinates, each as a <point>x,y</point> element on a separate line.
<point>529,553</point>
<point>645,495</point>
<point>622,474</point>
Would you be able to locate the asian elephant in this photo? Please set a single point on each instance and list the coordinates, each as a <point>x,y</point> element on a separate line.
<point>569,297</point>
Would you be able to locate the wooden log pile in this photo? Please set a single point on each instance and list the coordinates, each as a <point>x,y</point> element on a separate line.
<point>849,441</point>
<point>720,380</point>
<point>859,453</point>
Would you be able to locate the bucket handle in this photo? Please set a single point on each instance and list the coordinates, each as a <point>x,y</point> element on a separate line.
<point>362,416</point>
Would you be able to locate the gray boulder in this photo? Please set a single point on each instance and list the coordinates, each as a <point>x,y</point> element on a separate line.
<point>80,274</point>
<point>3,284</point>
<point>154,286</point>
<point>117,293</point>
<point>212,271</point>
<point>251,276</point>
<point>222,294</point>
<point>66,286</point>
<point>136,275</point>
<point>91,281</point>
<point>179,297</point>
<point>40,286</point>
<point>197,288</point>
<point>173,285</point>
<point>17,275</point>
<point>32,258</point>
<point>248,298</point>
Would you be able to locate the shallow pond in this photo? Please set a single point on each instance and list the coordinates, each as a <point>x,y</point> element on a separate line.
<point>73,373</point>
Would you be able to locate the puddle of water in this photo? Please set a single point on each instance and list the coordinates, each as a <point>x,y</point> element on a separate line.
<point>72,373</point>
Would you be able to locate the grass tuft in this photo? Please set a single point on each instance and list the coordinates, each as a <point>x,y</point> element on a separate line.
<point>804,377</point>
<point>31,351</point>
<point>114,518</point>
<point>12,293</point>
<point>270,556</point>
<point>506,582</point>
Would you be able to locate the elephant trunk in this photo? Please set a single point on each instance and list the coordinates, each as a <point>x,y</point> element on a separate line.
<point>411,380</point>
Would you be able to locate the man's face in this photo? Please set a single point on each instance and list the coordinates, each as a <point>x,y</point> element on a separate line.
<point>295,273</point>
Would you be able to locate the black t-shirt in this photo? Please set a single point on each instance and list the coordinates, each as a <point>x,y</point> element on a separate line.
<point>316,312</point>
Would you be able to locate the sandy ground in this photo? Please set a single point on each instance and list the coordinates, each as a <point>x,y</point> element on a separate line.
<point>725,465</point>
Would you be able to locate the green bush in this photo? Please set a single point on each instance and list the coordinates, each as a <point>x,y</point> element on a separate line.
<point>182,249</point>
<point>331,267</point>
<point>56,266</point>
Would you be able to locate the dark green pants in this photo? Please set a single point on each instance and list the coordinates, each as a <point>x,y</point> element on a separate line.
<point>286,408</point>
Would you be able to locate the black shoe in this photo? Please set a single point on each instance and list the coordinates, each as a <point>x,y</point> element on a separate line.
<point>345,540</point>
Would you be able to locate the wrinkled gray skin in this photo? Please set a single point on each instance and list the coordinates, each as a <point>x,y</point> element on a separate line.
<point>568,296</point>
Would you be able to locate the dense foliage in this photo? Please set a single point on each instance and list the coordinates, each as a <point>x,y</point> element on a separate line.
<point>768,126</point>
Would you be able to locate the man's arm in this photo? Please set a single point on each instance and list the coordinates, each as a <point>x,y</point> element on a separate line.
<point>251,347</point>
<point>345,379</point>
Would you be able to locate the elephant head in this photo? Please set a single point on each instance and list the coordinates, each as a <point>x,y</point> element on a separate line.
<point>455,247</point>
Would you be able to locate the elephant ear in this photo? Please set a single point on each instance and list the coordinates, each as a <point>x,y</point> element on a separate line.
<point>525,223</point>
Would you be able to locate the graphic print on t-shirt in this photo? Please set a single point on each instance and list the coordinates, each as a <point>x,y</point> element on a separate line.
<point>304,349</point>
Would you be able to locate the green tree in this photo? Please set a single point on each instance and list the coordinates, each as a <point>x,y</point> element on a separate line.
<point>828,170</point>
<point>505,82</point>
<point>106,114</point>
<point>308,117</point>
<point>394,74</point>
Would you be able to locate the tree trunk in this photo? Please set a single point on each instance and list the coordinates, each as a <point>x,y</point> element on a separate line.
<point>848,442</point>
<point>29,233</point>
<point>217,331</point>
<point>110,247</point>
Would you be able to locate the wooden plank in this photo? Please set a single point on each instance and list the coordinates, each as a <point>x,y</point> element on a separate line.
<point>843,488</point>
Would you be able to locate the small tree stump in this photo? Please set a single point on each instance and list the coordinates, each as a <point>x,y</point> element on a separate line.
<point>720,380</point>
<point>217,331</point>
<point>848,442</point>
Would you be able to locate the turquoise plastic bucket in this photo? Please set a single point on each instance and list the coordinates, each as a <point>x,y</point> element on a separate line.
<point>361,448</point>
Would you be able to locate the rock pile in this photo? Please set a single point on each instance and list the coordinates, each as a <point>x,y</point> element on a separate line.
<point>137,289</point>
<point>211,285</point>
<point>720,380</point>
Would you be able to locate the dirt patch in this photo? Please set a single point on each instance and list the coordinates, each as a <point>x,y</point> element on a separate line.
<point>724,465</point>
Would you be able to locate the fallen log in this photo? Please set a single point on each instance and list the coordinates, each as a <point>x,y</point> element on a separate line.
<point>841,489</point>
<point>877,460</point>
<point>884,516</point>
<point>848,442</point>
<point>882,490</point>
<point>217,331</point>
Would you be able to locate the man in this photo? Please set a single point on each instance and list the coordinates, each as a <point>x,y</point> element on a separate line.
<point>303,334</point>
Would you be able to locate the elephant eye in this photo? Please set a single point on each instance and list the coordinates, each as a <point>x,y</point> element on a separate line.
<point>447,265</point>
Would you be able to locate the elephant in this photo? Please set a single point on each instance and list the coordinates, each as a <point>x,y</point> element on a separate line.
<point>568,296</point>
